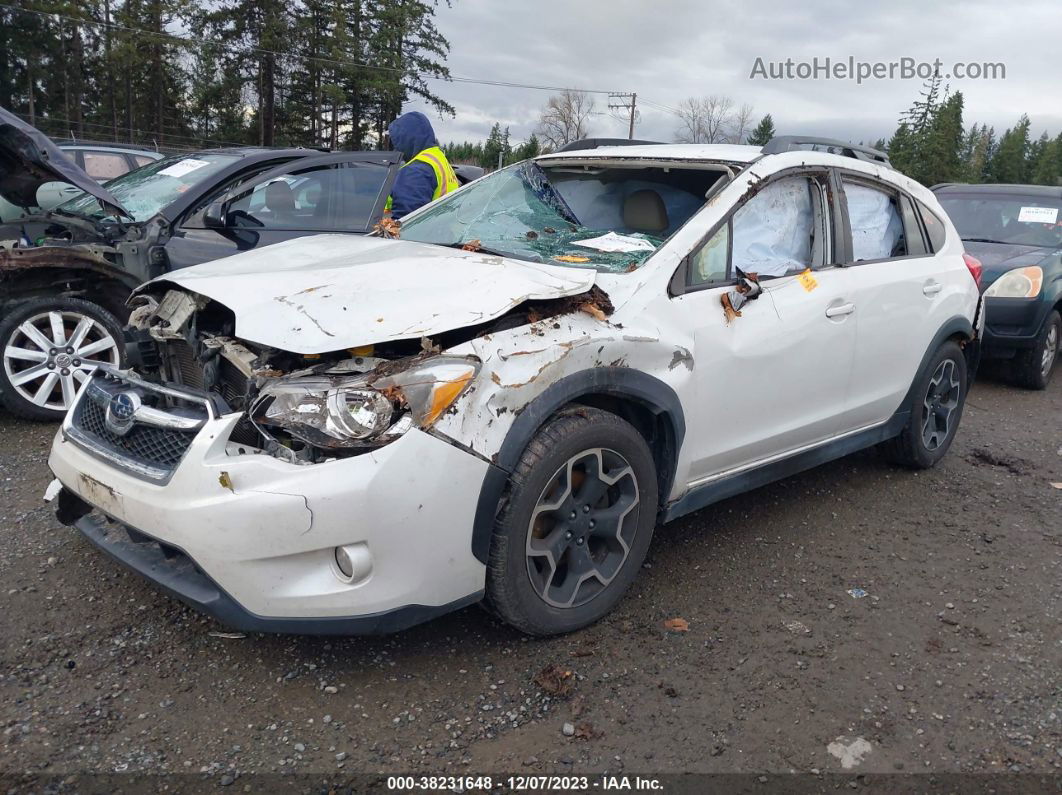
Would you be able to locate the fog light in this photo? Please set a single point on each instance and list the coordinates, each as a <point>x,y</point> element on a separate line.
<point>354,562</point>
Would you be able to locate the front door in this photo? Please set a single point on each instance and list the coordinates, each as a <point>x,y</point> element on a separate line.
<point>774,380</point>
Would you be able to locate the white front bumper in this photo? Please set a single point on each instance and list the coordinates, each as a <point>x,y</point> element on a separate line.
<point>265,531</point>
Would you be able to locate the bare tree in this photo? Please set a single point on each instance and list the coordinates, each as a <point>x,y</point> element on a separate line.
<point>564,119</point>
<point>741,124</point>
<point>705,120</point>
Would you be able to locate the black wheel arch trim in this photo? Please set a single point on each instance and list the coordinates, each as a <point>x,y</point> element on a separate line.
<point>619,382</point>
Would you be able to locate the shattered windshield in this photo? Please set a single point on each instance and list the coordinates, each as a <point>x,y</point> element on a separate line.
<point>607,219</point>
<point>146,190</point>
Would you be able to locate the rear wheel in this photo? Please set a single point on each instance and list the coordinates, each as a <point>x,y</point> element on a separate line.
<point>1032,368</point>
<point>576,525</point>
<point>50,345</point>
<point>936,409</point>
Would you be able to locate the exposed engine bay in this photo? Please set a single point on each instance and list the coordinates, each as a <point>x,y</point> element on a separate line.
<point>309,408</point>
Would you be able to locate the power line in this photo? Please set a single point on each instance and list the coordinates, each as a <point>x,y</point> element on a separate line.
<point>658,106</point>
<point>143,133</point>
<point>319,59</point>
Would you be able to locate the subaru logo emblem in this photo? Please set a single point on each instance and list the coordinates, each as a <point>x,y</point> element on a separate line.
<point>121,412</point>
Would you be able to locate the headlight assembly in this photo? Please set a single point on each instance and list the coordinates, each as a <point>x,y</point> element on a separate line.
<point>1018,283</point>
<point>364,410</point>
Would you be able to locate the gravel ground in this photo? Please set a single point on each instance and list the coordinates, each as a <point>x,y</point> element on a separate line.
<point>952,662</point>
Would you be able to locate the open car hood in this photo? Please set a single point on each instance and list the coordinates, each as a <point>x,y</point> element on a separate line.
<point>329,292</point>
<point>28,160</point>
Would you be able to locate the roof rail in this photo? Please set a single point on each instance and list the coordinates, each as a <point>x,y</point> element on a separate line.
<point>594,143</point>
<point>787,143</point>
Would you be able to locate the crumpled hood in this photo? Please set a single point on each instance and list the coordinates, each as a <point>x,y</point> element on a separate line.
<point>330,292</point>
<point>411,133</point>
<point>28,159</point>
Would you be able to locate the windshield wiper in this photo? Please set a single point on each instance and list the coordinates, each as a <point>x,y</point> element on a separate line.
<point>985,240</point>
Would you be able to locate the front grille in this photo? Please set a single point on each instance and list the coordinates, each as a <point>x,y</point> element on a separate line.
<point>159,447</point>
<point>154,441</point>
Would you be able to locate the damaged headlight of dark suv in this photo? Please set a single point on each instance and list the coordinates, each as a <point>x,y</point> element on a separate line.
<point>333,410</point>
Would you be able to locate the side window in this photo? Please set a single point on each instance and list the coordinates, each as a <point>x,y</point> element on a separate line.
<point>299,200</point>
<point>194,217</point>
<point>710,262</point>
<point>102,166</point>
<point>781,230</point>
<point>877,231</point>
<point>359,192</point>
<point>912,230</point>
<point>142,160</point>
<point>934,227</point>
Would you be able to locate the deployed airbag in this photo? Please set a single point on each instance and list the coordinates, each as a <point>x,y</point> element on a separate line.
<point>772,232</point>
<point>876,227</point>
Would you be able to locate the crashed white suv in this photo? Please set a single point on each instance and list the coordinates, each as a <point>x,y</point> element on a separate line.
<point>348,435</point>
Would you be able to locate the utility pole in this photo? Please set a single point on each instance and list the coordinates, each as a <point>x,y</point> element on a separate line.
<point>627,102</point>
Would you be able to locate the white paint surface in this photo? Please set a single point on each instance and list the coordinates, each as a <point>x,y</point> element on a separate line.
<point>330,292</point>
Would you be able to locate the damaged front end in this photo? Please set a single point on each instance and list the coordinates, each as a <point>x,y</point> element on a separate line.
<point>301,408</point>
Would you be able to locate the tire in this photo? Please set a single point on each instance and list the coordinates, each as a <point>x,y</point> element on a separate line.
<point>936,410</point>
<point>528,587</point>
<point>1032,368</point>
<point>41,372</point>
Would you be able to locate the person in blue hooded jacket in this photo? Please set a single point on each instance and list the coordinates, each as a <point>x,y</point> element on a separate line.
<point>426,175</point>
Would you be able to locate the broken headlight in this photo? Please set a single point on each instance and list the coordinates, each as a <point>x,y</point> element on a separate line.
<point>363,410</point>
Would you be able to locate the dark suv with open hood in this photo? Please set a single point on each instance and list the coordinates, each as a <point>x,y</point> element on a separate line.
<point>65,274</point>
<point>1016,233</point>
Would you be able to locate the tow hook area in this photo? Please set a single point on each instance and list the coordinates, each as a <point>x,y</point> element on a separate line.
<point>69,507</point>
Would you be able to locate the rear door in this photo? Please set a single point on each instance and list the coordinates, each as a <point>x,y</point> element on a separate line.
<point>772,381</point>
<point>900,290</point>
<point>339,192</point>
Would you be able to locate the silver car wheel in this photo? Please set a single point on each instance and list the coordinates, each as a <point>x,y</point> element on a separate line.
<point>49,355</point>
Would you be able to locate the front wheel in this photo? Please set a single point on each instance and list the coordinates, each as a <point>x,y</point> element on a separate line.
<point>50,345</point>
<point>576,524</point>
<point>936,409</point>
<point>1032,368</point>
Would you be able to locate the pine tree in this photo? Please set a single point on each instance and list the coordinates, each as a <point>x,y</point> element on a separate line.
<point>1048,169</point>
<point>1008,163</point>
<point>497,147</point>
<point>941,150</point>
<point>762,132</point>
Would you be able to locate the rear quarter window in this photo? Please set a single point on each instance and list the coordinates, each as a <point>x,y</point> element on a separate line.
<point>934,227</point>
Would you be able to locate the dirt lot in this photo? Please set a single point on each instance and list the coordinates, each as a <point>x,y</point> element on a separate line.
<point>952,662</point>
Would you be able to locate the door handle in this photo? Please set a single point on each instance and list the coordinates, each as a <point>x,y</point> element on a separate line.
<point>932,288</point>
<point>840,310</point>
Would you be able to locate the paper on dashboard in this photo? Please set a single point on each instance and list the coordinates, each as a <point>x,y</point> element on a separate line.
<point>613,242</point>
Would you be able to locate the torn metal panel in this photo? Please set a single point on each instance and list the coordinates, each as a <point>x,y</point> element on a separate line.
<point>90,257</point>
<point>417,290</point>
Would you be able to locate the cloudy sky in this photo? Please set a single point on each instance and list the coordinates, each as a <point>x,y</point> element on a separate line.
<point>672,49</point>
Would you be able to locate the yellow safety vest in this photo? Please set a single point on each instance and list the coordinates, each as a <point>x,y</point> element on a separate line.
<point>445,178</point>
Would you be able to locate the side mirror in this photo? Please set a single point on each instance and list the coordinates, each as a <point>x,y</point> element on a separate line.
<point>214,216</point>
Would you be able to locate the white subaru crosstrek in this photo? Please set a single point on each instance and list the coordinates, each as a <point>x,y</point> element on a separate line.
<point>347,435</point>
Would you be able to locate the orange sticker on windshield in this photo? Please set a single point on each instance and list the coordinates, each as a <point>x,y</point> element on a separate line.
<point>571,258</point>
<point>807,281</point>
